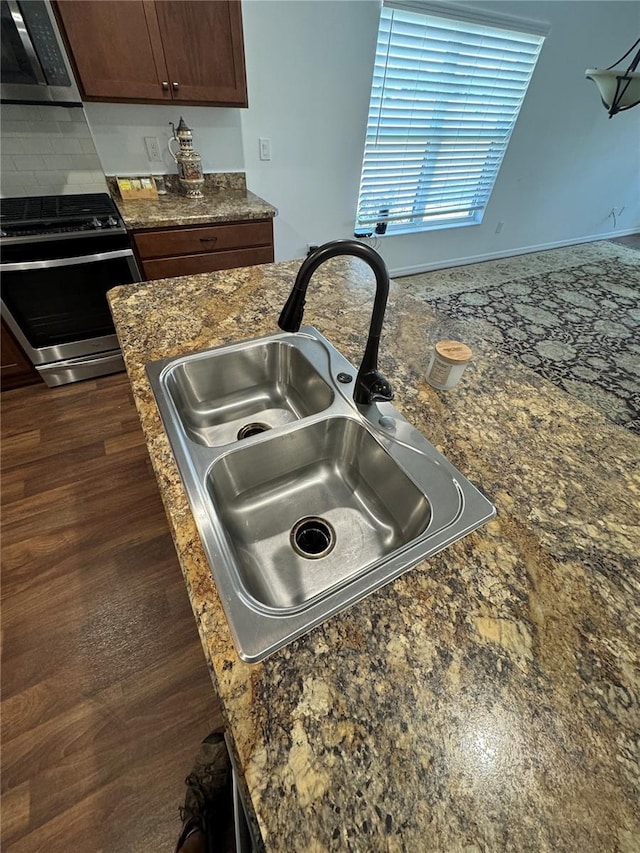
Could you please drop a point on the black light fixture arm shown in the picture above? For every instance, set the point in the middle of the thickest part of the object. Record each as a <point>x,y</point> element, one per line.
<point>634,62</point>
<point>370,384</point>
<point>623,80</point>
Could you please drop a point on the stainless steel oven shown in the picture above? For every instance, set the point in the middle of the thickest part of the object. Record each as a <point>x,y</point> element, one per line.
<point>60,256</point>
<point>34,67</point>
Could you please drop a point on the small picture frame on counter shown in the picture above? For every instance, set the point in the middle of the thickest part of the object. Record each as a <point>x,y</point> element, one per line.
<point>137,188</point>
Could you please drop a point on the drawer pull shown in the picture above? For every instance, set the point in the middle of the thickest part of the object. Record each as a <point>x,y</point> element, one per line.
<point>208,239</point>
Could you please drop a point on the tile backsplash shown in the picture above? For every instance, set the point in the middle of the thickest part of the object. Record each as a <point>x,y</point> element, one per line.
<point>47,150</point>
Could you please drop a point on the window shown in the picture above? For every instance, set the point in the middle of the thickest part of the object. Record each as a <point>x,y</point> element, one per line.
<point>444,100</point>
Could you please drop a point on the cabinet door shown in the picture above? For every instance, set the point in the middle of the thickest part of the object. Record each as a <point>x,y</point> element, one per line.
<point>15,368</point>
<point>116,48</point>
<point>204,51</point>
<point>171,252</point>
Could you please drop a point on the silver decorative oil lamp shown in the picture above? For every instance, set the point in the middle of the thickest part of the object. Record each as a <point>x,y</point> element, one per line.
<point>188,161</point>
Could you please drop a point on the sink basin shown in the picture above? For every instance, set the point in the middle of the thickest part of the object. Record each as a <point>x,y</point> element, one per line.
<point>304,502</point>
<point>250,388</point>
<point>363,506</point>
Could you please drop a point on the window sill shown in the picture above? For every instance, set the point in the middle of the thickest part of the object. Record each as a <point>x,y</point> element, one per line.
<point>402,231</point>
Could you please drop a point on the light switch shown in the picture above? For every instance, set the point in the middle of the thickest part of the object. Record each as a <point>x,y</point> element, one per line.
<point>265,148</point>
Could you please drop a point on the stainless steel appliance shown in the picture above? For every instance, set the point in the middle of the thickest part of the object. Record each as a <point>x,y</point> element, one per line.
<point>244,833</point>
<point>34,66</point>
<point>60,256</point>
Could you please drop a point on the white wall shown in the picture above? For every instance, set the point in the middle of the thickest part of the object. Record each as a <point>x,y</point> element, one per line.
<point>309,72</point>
<point>119,131</point>
<point>309,65</point>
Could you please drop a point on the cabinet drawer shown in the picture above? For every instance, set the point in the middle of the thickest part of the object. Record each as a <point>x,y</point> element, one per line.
<point>210,262</point>
<point>209,238</point>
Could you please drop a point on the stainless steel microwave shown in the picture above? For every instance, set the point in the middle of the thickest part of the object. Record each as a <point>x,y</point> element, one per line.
<point>34,65</point>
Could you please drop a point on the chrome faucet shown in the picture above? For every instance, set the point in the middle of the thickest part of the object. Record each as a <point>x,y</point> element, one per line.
<point>370,383</point>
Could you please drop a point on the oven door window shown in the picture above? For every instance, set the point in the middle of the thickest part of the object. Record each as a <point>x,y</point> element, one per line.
<point>64,304</point>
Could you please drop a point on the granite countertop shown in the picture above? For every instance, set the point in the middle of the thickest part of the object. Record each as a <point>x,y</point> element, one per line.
<point>487,700</point>
<point>226,199</point>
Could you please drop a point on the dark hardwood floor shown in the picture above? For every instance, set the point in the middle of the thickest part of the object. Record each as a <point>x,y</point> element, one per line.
<point>630,240</point>
<point>105,691</point>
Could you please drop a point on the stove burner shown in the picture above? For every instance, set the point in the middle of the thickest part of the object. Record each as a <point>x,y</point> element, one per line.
<point>37,216</point>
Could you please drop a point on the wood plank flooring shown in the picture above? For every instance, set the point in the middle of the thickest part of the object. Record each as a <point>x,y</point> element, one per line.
<point>631,240</point>
<point>105,691</point>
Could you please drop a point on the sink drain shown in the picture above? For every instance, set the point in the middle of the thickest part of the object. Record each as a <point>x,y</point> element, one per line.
<point>312,537</point>
<point>252,429</point>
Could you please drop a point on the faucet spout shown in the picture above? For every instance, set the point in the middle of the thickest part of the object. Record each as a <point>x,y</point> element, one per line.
<point>370,383</point>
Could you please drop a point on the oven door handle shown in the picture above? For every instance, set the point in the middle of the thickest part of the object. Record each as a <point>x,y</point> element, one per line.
<point>66,262</point>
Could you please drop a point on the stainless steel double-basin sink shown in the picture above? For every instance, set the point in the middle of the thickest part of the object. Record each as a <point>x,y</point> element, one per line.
<point>304,501</point>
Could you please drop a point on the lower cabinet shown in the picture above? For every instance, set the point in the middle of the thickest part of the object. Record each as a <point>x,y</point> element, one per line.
<point>171,252</point>
<point>15,368</point>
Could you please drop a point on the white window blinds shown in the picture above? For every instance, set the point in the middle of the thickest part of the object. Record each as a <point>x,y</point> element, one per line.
<point>444,100</point>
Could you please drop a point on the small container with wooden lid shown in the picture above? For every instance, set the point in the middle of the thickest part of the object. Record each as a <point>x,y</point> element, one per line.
<point>447,364</point>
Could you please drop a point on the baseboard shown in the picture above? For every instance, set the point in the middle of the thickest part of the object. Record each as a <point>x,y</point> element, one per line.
<point>509,253</point>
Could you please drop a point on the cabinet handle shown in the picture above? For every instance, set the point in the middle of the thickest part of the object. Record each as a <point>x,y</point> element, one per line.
<point>175,87</point>
<point>165,86</point>
<point>208,239</point>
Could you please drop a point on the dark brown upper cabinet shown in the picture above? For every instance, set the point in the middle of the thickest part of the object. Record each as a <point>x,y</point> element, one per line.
<point>145,51</point>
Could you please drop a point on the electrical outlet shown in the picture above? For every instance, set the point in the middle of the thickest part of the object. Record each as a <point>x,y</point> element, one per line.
<point>265,148</point>
<point>153,147</point>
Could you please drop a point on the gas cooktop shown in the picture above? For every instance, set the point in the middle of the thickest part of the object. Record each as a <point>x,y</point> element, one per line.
<point>36,217</point>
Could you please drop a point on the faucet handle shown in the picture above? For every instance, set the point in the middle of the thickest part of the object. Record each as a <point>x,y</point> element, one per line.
<point>372,387</point>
